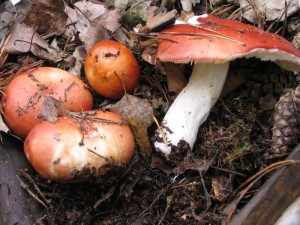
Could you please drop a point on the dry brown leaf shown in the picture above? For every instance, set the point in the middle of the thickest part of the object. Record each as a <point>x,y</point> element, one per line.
<point>160,163</point>
<point>95,33</point>
<point>191,162</point>
<point>140,134</point>
<point>270,10</point>
<point>21,39</point>
<point>24,39</point>
<point>102,28</point>
<point>110,20</point>
<point>71,22</point>
<point>222,187</point>
<point>79,55</point>
<point>149,55</point>
<point>138,114</point>
<point>87,11</point>
<point>156,19</point>
<point>48,17</point>
<point>7,17</point>
<point>48,54</point>
<point>133,9</point>
<point>131,106</point>
<point>50,109</point>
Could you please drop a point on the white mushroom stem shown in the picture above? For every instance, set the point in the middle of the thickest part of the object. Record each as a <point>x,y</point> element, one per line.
<point>187,5</point>
<point>191,107</point>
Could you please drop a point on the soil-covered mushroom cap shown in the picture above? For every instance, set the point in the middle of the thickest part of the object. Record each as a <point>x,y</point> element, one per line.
<point>76,148</point>
<point>24,96</point>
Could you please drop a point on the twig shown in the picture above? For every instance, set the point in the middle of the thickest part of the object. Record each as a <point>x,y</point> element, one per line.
<point>266,170</point>
<point>208,200</point>
<point>155,200</point>
<point>229,171</point>
<point>25,187</point>
<point>169,202</point>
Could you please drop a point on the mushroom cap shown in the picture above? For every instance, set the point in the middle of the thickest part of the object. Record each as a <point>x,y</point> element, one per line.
<point>104,62</point>
<point>79,148</point>
<point>24,96</point>
<point>214,40</point>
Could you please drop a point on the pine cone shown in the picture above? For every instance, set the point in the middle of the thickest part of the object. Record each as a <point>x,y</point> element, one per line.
<point>286,121</point>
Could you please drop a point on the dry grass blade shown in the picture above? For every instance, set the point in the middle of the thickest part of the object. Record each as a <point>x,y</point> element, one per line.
<point>227,9</point>
<point>3,54</point>
<point>7,75</point>
<point>268,169</point>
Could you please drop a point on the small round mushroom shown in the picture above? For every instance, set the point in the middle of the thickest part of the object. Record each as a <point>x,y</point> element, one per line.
<point>25,94</point>
<point>108,65</point>
<point>210,43</point>
<point>79,147</point>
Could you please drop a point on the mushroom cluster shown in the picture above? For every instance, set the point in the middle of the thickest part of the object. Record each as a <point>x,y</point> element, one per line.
<point>210,43</point>
<point>51,109</point>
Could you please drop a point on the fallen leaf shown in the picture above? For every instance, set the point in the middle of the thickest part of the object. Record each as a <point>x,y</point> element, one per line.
<point>132,106</point>
<point>21,39</point>
<point>160,163</point>
<point>48,17</point>
<point>222,187</point>
<point>24,39</point>
<point>140,134</point>
<point>79,55</point>
<point>138,114</point>
<point>7,17</point>
<point>191,162</point>
<point>102,28</point>
<point>86,12</point>
<point>133,10</point>
<point>110,20</point>
<point>120,36</point>
<point>71,22</point>
<point>50,109</point>
<point>158,19</point>
<point>149,55</point>
<point>95,33</point>
<point>270,10</point>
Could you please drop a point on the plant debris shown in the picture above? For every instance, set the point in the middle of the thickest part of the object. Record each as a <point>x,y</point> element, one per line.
<point>50,109</point>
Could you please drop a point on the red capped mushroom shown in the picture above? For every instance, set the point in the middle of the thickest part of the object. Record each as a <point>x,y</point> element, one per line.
<point>79,147</point>
<point>210,43</point>
<point>25,94</point>
<point>107,63</point>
